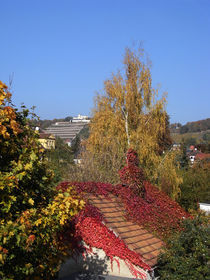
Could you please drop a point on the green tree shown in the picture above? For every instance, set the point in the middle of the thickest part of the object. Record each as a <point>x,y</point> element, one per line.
<point>183,158</point>
<point>60,159</point>
<point>188,141</point>
<point>187,253</point>
<point>196,186</point>
<point>129,114</point>
<point>206,136</point>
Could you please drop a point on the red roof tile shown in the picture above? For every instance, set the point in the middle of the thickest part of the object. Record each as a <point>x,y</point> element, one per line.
<point>202,156</point>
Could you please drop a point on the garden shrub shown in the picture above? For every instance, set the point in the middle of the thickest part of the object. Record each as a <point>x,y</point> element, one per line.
<point>196,186</point>
<point>187,253</point>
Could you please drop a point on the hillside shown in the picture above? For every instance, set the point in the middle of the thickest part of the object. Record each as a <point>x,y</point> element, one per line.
<point>43,124</point>
<point>192,132</point>
<point>189,127</point>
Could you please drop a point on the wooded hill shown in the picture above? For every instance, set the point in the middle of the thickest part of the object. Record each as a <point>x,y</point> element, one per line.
<point>192,133</point>
<point>189,127</point>
<point>43,124</point>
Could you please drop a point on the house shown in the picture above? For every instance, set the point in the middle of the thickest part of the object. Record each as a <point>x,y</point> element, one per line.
<point>47,140</point>
<point>195,155</point>
<point>119,232</point>
<point>176,147</point>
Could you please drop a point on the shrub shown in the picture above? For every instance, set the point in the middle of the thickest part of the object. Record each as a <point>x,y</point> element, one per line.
<point>187,253</point>
<point>196,186</point>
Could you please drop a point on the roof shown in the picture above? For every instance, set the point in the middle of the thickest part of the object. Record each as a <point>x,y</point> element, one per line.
<point>46,136</point>
<point>192,147</point>
<point>65,130</point>
<point>202,156</point>
<point>136,237</point>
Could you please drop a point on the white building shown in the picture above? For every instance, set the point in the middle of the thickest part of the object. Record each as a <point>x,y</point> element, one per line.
<point>81,118</point>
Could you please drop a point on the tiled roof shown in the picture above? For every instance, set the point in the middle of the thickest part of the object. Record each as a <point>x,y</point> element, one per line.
<point>136,237</point>
<point>46,136</point>
<point>202,156</point>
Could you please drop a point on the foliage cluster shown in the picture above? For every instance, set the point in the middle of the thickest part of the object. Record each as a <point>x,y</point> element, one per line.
<point>32,212</point>
<point>31,245</point>
<point>78,140</point>
<point>196,140</point>
<point>150,209</point>
<point>196,186</point>
<point>206,136</point>
<point>187,138</point>
<point>187,253</point>
<point>204,147</point>
<point>60,159</point>
<point>129,114</point>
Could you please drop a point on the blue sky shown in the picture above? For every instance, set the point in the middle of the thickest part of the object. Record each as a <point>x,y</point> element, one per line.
<point>59,52</point>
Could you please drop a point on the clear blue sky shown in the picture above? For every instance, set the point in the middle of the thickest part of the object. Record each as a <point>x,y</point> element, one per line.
<point>61,51</point>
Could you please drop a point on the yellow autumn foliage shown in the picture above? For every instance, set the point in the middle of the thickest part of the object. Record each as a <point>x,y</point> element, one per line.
<point>7,114</point>
<point>32,212</point>
<point>130,114</point>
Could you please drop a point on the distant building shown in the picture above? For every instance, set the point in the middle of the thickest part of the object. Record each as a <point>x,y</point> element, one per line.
<point>192,158</point>
<point>81,118</point>
<point>47,140</point>
<point>176,147</point>
<point>205,207</point>
<point>202,156</point>
<point>68,130</point>
<point>78,161</point>
<point>195,155</point>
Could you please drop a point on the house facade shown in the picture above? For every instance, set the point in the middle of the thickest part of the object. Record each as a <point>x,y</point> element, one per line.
<point>47,141</point>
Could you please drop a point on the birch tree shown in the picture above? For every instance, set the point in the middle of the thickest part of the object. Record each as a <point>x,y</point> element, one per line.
<point>129,114</point>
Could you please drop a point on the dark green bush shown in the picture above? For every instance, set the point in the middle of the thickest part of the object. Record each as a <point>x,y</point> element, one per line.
<point>186,256</point>
<point>196,186</point>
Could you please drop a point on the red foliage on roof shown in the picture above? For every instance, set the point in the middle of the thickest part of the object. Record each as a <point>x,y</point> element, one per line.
<point>156,211</point>
<point>90,227</point>
<point>43,135</point>
<point>153,210</point>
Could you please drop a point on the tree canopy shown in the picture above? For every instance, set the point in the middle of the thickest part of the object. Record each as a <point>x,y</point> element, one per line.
<point>129,114</point>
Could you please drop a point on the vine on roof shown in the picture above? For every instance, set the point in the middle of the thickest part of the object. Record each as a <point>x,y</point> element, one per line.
<point>154,210</point>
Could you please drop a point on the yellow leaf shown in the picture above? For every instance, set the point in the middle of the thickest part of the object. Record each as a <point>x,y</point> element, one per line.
<point>31,201</point>
<point>38,222</point>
